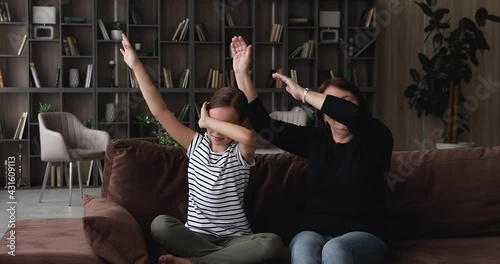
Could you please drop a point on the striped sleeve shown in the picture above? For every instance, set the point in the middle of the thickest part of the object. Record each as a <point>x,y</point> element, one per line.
<point>237,153</point>
<point>194,144</point>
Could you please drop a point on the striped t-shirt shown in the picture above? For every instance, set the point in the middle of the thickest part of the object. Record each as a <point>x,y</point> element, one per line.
<point>217,183</point>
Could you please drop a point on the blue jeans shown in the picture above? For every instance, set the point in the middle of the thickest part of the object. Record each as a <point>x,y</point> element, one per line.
<point>309,247</point>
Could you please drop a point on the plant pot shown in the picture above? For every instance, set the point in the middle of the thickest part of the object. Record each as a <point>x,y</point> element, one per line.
<point>452,146</point>
<point>116,34</point>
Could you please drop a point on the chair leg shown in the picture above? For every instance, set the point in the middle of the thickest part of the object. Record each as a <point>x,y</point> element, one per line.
<point>90,172</point>
<point>70,184</point>
<point>47,170</point>
<point>99,166</point>
<point>79,178</point>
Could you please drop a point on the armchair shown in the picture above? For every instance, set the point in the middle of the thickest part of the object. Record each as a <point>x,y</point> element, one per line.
<point>63,138</point>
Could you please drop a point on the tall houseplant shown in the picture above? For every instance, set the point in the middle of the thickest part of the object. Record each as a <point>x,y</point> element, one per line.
<point>438,90</point>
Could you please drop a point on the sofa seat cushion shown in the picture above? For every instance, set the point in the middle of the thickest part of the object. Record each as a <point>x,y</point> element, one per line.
<point>55,240</point>
<point>482,250</point>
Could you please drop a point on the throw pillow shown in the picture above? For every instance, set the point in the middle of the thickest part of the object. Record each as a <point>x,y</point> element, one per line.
<point>112,232</point>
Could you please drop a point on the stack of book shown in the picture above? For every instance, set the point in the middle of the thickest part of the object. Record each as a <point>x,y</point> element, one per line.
<point>88,78</point>
<point>201,32</point>
<point>230,78</point>
<point>104,31</point>
<point>368,18</point>
<point>167,77</point>
<point>184,80</point>
<point>35,146</point>
<point>293,75</point>
<point>5,12</point>
<point>34,75</point>
<point>276,33</point>
<point>306,50</point>
<point>70,46</point>
<point>181,31</point>
<point>183,113</point>
<point>214,78</point>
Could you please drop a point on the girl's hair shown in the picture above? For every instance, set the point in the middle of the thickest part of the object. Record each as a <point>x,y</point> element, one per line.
<point>232,97</point>
<point>347,86</point>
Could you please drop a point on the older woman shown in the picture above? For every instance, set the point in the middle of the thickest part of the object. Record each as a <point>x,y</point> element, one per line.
<point>348,156</point>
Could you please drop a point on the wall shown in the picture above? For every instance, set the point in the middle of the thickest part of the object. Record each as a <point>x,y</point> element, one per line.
<point>401,38</point>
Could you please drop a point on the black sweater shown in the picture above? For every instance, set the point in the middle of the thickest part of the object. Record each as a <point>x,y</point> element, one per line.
<point>345,183</point>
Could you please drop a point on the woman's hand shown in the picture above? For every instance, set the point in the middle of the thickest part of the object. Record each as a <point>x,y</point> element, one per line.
<point>292,87</point>
<point>129,55</point>
<point>203,116</point>
<point>242,55</point>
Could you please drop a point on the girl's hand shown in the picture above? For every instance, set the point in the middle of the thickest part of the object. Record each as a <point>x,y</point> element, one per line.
<point>292,87</point>
<point>242,55</point>
<point>203,116</point>
<point>129,55</point>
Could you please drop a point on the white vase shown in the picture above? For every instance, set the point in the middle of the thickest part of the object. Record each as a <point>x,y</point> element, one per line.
<point>116,34</point>
<point>110,112</point>
<point>74,78</point>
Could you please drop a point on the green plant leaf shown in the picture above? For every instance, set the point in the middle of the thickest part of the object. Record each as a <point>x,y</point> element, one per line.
<point>455,35</point>
<point>429,28</point>
<point>431,3</point>
<point>493,18</point>
<point>412,101</point>
<point>410,91</point>
<point>473,56</point>
<point>482,44</point>
<point>426,9</point>
<point>437,41</point>
<point>467,73</point>
<point>468,24</point>
<point>426,63</point>
<point>481,15</point>
<point>415,76</point>
<point>444,25</point>
<point>442,11</point>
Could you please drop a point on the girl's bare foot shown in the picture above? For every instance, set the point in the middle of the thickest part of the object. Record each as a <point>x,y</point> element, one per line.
<point>171,259</point>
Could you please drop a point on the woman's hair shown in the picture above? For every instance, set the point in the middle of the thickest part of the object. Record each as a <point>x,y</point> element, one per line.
<point>232,97</point>
<point>347,86</point>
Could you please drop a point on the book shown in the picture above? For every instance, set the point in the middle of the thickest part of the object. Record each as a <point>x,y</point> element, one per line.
<point>1,78</point>
<point>209,78</point>
<point>58,77</point>
<point>296,51</point>
<point>73,46</point>
<point>23,43</point>
<point>34,75</point>
<point>88,78</point>
<point>229,19</point>
<point>104,31</point>
<point>179,27</point>
<point>136,19</point>
<point>20,126</point>
<point>2,129</point>
<point>9,18</point>
<point>52,176</point>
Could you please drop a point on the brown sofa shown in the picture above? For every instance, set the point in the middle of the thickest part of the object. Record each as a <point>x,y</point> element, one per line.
<point>443,205</point>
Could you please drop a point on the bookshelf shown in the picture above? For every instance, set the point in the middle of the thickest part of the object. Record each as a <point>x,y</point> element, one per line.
<point>153,24</point>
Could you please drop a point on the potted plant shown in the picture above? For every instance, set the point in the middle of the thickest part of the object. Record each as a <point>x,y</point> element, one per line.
<point>116,30</point>
<point>45,107</point>
<point>437,91</point>
<point>164,138</point>
<point>144,121</point>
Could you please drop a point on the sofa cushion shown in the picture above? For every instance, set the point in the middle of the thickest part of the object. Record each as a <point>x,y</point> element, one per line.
<point>482,250</point>
<point>275,194</point>
<point>445,193</point>
<point>55,240</point>
<point>112,232</point>
<point>147,179</point>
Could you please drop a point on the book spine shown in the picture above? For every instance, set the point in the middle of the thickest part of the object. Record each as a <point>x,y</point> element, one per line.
<point>23,43</point>
<point>58,77</point>
<point>1,78</point>
<point>35,75</point>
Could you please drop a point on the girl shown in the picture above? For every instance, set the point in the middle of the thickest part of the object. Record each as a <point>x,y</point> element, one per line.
<point>217,230</point>
<point>348,156</point>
